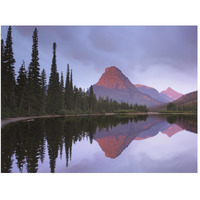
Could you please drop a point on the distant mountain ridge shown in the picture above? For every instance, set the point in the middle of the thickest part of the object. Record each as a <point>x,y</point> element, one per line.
<point>187,98</point>
<point>172,94</point>
<point>190,98</point>
<point>115,85</point>
<point>153,93</point>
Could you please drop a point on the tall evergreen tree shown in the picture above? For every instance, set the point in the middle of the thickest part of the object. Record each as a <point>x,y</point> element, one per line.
<point>71,81</point>
<point>34,79</point>
<point>8,72</point>
<point>67,90</point>
<point>2,50</point>
<point>71,92</point>
<point>76,98</point>
<point>30,91</point>
<point>53,95</point>
<point>92,99</point>
<point>21,89</point>
<point>43,86</point>
<point>3,75</point>
<point>62,90</point>
<point>3,69</point>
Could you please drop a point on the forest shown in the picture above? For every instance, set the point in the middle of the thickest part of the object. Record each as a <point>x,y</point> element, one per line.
<point>29,94</point>
<point>190,107</point>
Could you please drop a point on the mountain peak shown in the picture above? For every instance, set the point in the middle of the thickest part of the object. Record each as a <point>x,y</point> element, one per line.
<point>114,78</point>
<point>169,88</point>
<point>112,68</point>
<point>172,94</point>
<point>116,86</point>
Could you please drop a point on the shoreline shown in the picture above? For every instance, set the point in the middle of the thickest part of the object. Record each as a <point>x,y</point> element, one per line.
<point>7,121</point>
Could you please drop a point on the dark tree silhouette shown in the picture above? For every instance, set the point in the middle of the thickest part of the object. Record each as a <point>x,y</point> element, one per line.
<point>67,90</point>
<point>21,89</point>
<point>62,91</point>
<point>8,72</point>
<point>171,106</point>
<point>43,85</point>
<point>34,79</point>
<point>92,99</point>
<point>53,94</point>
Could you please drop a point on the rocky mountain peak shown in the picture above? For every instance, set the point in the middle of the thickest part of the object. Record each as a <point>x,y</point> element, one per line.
<point>172,94</point>
<point>112,68</point>
<point>114,78</point>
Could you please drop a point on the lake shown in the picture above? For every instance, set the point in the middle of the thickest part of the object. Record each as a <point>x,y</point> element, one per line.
<point>154,143</point>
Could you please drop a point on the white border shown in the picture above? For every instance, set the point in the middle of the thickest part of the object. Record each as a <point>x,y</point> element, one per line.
<point>99,186</point>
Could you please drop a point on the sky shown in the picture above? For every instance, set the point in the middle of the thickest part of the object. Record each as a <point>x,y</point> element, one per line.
<point>156,56</point>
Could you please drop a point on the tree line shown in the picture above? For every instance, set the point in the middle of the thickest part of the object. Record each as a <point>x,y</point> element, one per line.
<point>187,107</point>
<point>29,94</point>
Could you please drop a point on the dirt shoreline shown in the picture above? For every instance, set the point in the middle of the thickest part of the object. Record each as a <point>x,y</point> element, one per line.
<point>7,121</point>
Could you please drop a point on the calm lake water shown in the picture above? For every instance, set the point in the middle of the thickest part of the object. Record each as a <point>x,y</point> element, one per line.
<point>101,144</point>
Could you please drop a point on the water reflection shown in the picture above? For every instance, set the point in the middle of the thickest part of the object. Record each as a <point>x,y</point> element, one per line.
<point>26,144</point>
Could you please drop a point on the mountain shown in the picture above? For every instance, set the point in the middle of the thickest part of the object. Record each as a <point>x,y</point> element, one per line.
<point>114,78</point>
<point>114,140</point>
<point>115,85</point>
<point>172,130</point>
<point>189,99</point>
<point>153,93</point>
<point>172,94</point>
<point>118,138</point>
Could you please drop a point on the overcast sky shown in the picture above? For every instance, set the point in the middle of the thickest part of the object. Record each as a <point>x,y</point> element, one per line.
<point>156,56</point>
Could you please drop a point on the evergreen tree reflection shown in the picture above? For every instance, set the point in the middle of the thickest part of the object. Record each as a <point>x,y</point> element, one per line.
<point>32,145</point>
<point>54,134</point>
<point>8,145</point>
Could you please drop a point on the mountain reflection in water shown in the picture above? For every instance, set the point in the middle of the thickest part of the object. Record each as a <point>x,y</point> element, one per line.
<point>25,145</point>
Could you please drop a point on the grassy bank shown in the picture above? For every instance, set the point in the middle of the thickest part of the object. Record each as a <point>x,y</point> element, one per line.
<point>177,112</point>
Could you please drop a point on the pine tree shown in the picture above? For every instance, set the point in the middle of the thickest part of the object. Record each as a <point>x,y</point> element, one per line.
<point>71,92</point>
<point>21,88</point>
<point>62,91</point>
<point>92,99</point>
<point>43,86</point>
<point>171,106</point>
<point>34,79</point>
<point>53,102</point>
<point>71,81</point>
<point>2,51</point>
<point>8,72</point>
<point>136,107</point>
<point>3,76</point>
<point>76,98</point>
<point>67,90</point>
<point>83,101</point>
<point>30,91</point>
